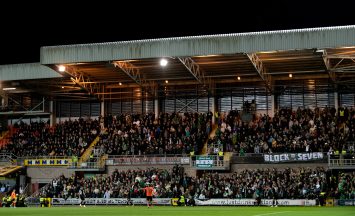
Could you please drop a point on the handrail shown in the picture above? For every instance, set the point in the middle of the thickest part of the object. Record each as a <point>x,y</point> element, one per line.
<point>41,190</point>
<point>86,155</point>
<point>341,163</point>
<point>26,190</point>
<point>87,165</point>
<point>145,156</point>
<point>144,159</point>
<point>8,157</point>
<point>43,157</point>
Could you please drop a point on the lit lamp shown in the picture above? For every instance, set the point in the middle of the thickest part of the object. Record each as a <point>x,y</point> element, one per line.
<point>163,62</point>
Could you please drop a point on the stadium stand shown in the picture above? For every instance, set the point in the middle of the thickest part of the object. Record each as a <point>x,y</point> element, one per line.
<point>226,124</point>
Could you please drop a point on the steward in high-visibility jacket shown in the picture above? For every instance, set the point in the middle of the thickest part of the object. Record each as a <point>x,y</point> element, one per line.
<point>42,202</point>
<point>4,201</point>
<point>9,201</point>
<point>220,155</point>
<point>181,201</point>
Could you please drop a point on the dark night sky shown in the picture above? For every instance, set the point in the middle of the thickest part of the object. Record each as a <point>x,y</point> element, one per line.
<point>20,40</point>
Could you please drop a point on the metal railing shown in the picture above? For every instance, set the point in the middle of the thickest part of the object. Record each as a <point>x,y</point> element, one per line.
<point>41,190</point>
<point>85,165</point>
<point>147,159</point>
<point>341,163</point>
<point>8,157</point>
<point>26,191</point>
<point>97,163</point>
<point>43,157</point>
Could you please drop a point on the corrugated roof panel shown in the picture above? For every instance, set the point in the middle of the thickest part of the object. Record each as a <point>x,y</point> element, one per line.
<point>328,37</point>
<point>26,71</point>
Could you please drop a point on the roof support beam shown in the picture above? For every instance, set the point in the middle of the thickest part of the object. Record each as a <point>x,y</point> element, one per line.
<point>260,68</point>
<point>341,56</point>
<point>4,99</point>
<point>194,69</point>
<point>85,82</point>
<point>328,67</point>
<point>134,73</point>
<point>186,104</point>
<point>197,72</point>
<point>338,67</point>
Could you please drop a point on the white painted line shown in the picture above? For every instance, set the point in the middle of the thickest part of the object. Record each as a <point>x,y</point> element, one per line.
<point>272,213</point>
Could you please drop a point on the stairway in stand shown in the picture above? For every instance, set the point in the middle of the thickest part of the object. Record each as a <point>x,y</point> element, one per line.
<point>227,155</point>
<point>211,135</point>
<point>86,155</point>
<point>6,136</point>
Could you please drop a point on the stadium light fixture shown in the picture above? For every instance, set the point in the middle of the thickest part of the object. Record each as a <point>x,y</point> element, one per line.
<point>8,89</point>
<point>61,68</point>
<point>163,62</point>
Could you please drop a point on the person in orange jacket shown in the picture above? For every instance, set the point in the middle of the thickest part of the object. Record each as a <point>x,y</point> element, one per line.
<point>13,198</point>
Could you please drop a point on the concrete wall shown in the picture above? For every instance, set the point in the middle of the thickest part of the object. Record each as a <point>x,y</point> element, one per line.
<point>188,170</point>
<point>46,174</point>
<point>238,167</point>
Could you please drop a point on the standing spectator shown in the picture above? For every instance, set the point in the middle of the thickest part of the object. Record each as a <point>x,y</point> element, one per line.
<point>21,190</point>
<point>82,197</point>
<point>274,196</point>
<point>107,194</point>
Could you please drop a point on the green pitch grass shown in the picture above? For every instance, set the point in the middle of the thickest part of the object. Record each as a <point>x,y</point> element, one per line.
<point>179,211</point>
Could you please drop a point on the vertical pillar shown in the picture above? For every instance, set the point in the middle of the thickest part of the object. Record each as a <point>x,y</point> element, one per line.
<point>52,115</point>
<point>272,111</point>
<point>102,108</point>
<point>156,108</point>
<point>4,100</point>
<point>213,108</point>
<point>336,100</point>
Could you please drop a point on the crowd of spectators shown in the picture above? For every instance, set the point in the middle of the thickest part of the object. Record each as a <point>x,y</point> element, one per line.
<point>176,133</point>
<point>5,186</point>
<point>346,186</point>
<point>300,183</point>
<point>65,139</point>
<point>301,130</point>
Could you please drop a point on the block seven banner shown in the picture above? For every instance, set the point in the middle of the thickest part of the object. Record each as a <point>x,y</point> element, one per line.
<point>292,157</point>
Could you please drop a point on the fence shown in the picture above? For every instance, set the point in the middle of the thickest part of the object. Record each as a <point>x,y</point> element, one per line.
<point>154,159</point>
<point>341,163</point>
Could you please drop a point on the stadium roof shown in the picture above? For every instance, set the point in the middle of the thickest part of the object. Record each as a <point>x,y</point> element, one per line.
<point>324,57</point>
<point>222,44</point>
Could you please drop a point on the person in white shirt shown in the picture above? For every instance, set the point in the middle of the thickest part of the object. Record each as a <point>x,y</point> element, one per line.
<point>107,194</point>
<point>202,196</point>
<point>21,189</point>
